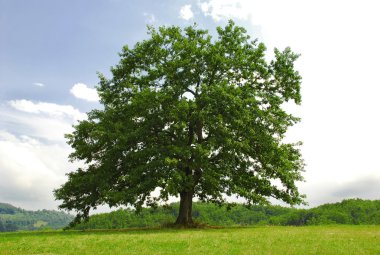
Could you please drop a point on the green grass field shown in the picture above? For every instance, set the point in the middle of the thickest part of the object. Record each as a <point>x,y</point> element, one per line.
<point>253,240</point>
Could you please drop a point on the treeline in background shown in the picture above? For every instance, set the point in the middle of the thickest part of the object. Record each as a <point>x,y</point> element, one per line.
<point>350,211</point>
<point>15,219</point>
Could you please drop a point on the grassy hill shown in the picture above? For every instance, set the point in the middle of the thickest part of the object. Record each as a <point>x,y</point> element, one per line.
<point>13,219</point>
<point>252,240</point>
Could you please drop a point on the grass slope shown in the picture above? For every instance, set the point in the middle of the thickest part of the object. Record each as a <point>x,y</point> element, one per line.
<point>254,240</point>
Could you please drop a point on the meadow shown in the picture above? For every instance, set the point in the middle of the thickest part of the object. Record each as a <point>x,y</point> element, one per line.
<point>341,239</point>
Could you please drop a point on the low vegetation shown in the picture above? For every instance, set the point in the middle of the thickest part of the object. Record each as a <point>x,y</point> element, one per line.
<point>362,236</point>
<point>253,240</point>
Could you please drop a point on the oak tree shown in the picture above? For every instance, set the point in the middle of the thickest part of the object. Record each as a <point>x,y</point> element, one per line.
<point>188,115</point>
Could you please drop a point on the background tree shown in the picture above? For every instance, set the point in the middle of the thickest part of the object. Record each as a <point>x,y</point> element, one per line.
<point>190,116</point>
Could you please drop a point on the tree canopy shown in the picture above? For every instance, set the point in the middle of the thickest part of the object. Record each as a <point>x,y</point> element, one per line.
<point>188,115</point>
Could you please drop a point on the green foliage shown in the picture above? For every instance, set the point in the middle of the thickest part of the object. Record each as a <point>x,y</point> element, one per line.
<point>352,211</point>
<point>13,219</point>
<point>349,211</point>
<point>185,113</point>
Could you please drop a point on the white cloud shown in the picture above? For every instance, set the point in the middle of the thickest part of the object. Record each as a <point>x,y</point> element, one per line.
<point>82,91</point>
<point>33,151</point>
<point>39,84</point>
<point>30,170</point>
<point>333,190</point>
<point>185,12</point>
<point>219,9</point>
<point>47,108</point>
<point>45,127</point>
<point>46,121</point>
<point>149,18</point>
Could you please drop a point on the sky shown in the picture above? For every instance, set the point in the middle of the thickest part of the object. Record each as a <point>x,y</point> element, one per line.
<point>51,51</point>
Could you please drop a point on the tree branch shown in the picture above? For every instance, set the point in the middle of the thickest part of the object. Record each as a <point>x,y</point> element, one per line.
<point>192,92</point>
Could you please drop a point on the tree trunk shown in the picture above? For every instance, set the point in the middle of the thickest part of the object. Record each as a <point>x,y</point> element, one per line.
<point>185,208</point>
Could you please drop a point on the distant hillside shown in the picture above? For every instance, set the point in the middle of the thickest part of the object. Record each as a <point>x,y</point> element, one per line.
<point>350,211</point>
<point>13,219</point>
<point>8,209</point>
